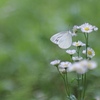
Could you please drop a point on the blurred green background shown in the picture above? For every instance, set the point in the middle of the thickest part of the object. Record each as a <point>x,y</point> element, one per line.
<point>26,50</point>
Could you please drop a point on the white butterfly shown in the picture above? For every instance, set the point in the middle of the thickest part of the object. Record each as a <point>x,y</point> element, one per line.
<point>62,39</point>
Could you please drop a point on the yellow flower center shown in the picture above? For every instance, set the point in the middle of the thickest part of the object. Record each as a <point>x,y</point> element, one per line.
<point>89,52</point>
<point>65,65</point>
<point>77,44</point>
<point>89,65</point>
<point>86,28</point>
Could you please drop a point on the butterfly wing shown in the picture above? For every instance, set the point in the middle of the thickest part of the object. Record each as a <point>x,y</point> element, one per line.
<point>65,41</point>
<point>55,38</point>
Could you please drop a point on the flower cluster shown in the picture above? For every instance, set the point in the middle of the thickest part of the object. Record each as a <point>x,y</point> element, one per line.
<point>81,57</point>
<point>85,28</point>
<point>80,67</point>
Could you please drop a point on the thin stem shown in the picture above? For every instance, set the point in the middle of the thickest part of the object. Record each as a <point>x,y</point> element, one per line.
<point>86,38</point>
<point>82,76</point>
<point>78,77</point>
<point>78,82</point>
<point>78,51</point>
<point>60,73</point>
<point>84,86</point>
<point>71,57</point>
<point>64,81</point>
<point>66,86</point>
<point>84,80</point>
<point>67,83</point>
<point>86,45</point>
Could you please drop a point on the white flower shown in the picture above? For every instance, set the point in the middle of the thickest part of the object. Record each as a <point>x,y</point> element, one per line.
<point>78,68</point>
<point>95,28</point>
<point>72,33</point>
<point>88,64</point>
<point>62,70</point>
<point>70,69</point>
<point>79,43</point>
<point>55,62</point>
<point>71,52</point>
<point>64,65</point>
<point>82,67</point>
<point>90,52</point>
<point>75,28</point>
<point>87,28</point>
<point>77,58</point>
<point>91,65</point>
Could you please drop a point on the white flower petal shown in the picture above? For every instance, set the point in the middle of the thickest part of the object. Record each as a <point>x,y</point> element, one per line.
<point>87,28</point>
<point>55,62</point>
<point>78,68</point>
<point>71,52</point>
<point>90,52</point>
<point>64,64</point>
<point>92,65</point>
<point>62,70</point>
<point>79,43</point>
<point>77,58</point>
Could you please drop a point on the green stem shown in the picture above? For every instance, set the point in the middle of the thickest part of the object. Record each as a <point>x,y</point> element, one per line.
<point>84,80</point>
<point>66,88</point>
<point>78,77</point>
<point>78,51</point>
<point>71,57</point>
<point>66,77</point>
<point>86,38</point>
<point>84,86</point>
<point>78,82</point>
<point>86,45</point>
